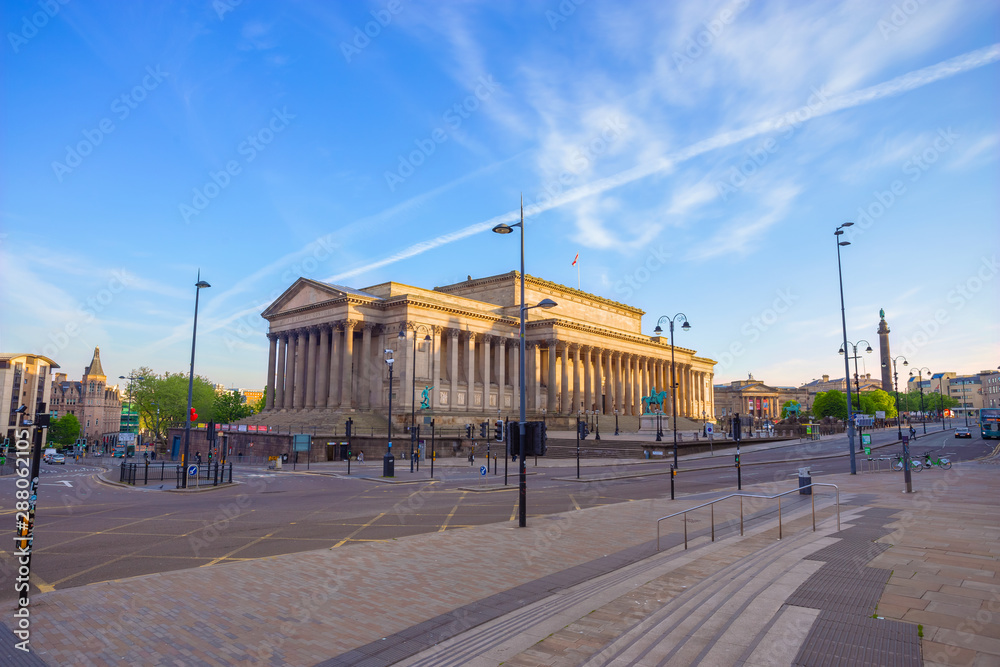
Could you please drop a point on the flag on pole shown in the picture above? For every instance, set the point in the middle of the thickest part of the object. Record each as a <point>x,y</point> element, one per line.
<point>575,259</point>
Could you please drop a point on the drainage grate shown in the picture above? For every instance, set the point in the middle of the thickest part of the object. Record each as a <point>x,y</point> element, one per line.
<point>837,638</point>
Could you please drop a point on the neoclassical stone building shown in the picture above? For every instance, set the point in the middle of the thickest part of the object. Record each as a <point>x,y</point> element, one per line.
<point>328,345</point>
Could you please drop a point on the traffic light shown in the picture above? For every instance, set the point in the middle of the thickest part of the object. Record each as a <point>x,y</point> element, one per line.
<point>210,433</point>
<point>673,471</point>
<point>515,439</point>
<point>737,459</point>
<point>194,416</point>
<point>482,429</point>
<point>468,431</point>
<point>581,426</point>
<point>736,428</point>
<point>498,431</point>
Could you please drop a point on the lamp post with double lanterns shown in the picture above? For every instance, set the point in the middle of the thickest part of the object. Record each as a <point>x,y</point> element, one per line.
<point>895,385</point>
<point>200,285</point>
<point>920,384</point>
<point>413,386</point>
<point>673,376</point>
<point>503,228</point>
<point>857,380</point>
<point>847,369</point>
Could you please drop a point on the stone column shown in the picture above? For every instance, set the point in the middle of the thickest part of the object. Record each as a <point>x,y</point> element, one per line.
<point>574,406</point>
<point>402,373</point>
<point>378,388</point>
<point>588,378</point>
<point>309,365</point>
<point>301,352</point>
<point>453,368</point>
<point>600,373</point>
<point>365,371</point>
<point>552,406</point>
<point>501,370</point>
<point>470,372</point>
<point>435,366</point>
<point>279,381</point>
<point>564,395</point>
<point>323,370</point>
<point>515,381</point>
<point>485,349</point>
<point>293,350</point>
<point>336,346</point>
<point>347,366</point>
<point>272,351</point>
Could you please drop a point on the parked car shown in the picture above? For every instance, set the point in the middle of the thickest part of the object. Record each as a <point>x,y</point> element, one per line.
<point>962,433</point>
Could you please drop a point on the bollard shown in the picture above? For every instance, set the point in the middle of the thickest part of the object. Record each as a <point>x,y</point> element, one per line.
<point>145,479</point>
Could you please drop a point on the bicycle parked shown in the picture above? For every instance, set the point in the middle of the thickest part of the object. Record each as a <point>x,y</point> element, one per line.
<point>941,462</point>
<point>915,464</point>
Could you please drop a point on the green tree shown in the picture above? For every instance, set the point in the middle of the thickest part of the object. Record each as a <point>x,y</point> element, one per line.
<point>231,406</point>
<point>64,430</point>
<point>831,403</point>
<point>162,400</point>
<point>877,399</point>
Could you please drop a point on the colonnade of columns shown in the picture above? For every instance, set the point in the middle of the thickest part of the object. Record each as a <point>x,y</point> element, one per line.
<point>339,366</point>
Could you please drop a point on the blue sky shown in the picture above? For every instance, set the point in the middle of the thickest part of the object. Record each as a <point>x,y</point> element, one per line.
<point>698,156</point>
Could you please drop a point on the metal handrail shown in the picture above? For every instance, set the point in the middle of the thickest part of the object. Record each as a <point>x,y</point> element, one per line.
<point>741,496</point>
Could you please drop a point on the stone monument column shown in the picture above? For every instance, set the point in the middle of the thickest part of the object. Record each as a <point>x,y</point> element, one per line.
<point>883,348</point>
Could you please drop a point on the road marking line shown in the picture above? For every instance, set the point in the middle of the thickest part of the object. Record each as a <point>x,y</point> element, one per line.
<point>451,513</point>
<point>575,504</point>
<point>346,539</point>
<point>248,544</point>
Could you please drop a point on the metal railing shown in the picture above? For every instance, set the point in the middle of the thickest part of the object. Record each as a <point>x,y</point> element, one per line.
<point>741,496</point>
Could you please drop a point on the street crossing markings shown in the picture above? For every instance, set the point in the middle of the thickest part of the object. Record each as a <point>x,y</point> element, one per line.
<point>452,512</point>
<point>238,549</point>
<point>348,538</point>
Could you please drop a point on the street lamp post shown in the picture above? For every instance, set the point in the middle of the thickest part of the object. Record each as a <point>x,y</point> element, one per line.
<point>847,369</point>
<point>895,385</point>
<point>857,382</point>
<point>673,377</point>
<point>521,422</point>
<point>920,383</point>
<point>187,421</point>
<point>388,462</point>
<point>413,387</point>
<point>907,479</point>
<point>616,421</point>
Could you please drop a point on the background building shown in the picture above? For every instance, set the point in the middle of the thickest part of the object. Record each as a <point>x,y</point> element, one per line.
<point>96,405</point>
<point>967,390</point>
<point>25,379</point>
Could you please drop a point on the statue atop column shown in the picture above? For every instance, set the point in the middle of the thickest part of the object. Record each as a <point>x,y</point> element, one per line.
<point>883,344</point>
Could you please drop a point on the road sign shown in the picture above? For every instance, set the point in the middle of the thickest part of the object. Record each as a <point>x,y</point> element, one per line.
<point>866,438</point>
<point>482,470</point>
<point>192,470</point>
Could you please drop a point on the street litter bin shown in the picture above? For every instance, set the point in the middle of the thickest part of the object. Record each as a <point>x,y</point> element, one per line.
<point>388,465</point>
<point>804,481</point>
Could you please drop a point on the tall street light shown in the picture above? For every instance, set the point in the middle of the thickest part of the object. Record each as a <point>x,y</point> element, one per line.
<point>895,385</point>
<point>857,382</point>
<point>920,383</point>
<point>388,461</point>
<point>673,376</point>
<point>201,284</point>
<point>413,386</point>
<point>521,423</point>
<point>847,369</point>
<point>131,406</point>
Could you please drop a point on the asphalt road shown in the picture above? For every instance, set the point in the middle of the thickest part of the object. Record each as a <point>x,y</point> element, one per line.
<point>87,531</point>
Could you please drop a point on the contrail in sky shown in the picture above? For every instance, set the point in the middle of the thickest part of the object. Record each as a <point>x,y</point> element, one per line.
<point>893,87</point>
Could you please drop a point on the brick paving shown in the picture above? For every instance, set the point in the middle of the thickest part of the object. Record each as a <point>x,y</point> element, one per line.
<point>584,587</point>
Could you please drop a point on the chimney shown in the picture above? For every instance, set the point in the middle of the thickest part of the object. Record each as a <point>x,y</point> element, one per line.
<point>826,378</point>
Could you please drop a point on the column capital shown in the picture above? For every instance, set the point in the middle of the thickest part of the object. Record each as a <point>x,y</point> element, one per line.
<point>313,329</point>
<point>500,340</point>
<point>272,337</point>
<point>473,336</point>
<point>350,325</point>
<point>370,326</point>
<point>573,347</point>
<point>454,333</point>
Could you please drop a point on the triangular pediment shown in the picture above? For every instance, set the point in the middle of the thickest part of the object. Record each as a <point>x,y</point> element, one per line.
<point>758,388</point>
<point>305,292</point>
